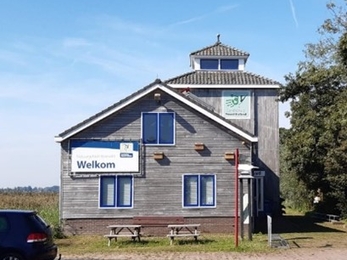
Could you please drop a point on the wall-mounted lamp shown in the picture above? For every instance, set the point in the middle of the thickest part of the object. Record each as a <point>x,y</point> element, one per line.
<point>157,97</point>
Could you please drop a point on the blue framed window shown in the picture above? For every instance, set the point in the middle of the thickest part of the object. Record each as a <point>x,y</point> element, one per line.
<point>209,64</point>
<point>116,191</point>
<point>158,128</point>
<point>229,64</point>
<point>216,64</point>
<point>199,191</point>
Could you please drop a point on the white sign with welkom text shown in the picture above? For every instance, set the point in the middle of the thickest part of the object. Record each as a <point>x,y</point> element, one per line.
<point>104,156</point>
<point>236,104</point>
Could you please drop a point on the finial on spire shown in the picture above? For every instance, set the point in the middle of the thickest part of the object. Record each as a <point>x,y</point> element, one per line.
<point>218,38</point>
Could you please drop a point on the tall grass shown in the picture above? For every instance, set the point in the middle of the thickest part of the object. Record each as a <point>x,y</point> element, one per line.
<point>46,204</point>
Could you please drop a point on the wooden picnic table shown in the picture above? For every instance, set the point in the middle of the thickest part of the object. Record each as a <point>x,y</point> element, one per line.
<point>183,230</point>
<point>133,231</point>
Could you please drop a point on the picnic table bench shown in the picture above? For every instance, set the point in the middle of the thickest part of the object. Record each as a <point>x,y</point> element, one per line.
<point>132,231</point>
<point>183,230</point>
<point>327,217</point>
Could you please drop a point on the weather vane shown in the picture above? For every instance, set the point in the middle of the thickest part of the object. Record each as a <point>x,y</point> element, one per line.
<point>218,38</point>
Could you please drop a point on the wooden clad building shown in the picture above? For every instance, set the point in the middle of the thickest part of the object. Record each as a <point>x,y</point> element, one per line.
<point>168,149</point>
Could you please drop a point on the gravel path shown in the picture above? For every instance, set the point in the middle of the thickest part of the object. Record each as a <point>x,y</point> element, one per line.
<point>281,254</point>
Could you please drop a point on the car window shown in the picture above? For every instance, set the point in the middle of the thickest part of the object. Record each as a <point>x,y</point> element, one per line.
<point>38,220</point>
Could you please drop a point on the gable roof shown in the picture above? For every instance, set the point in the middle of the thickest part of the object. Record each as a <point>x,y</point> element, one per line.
<point>219,49</point>
<point>157,84</point>
<point>199,78</point>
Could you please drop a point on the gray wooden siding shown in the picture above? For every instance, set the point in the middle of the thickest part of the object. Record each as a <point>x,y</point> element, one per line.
<point>159,191</point>
<point>264,123</point>
<point>213,97</point>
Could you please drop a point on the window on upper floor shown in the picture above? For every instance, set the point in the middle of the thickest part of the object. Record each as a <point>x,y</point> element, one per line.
<point>199,191</point>
<point>158,128</point>
<point>209,64</point>
<point>116,191</point>
<point>219,64</point>
<point>231,64</point>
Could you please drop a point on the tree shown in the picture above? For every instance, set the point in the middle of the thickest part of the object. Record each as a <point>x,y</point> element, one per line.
<point>335,141</point>
<point>316,143</point>
<point>293,190</point>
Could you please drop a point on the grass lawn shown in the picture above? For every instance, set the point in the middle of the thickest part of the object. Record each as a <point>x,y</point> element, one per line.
<point>298,230</point>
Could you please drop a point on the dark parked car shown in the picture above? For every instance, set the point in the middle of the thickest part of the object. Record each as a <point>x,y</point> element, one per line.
<point>24,235</point>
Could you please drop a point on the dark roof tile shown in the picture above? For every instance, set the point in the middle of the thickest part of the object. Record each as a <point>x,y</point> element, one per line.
<point>204,77</point>
<point>219,49</point>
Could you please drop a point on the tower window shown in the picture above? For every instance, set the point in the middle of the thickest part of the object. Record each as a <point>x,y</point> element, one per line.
<point>219,64</point>
<point>229,64</point>
<point>209,64</point>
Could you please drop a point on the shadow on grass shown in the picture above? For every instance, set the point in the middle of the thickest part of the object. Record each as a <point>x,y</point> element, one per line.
<point>161,242</point>
<point>297,224</point>
<point>203,241</point>
<point>142,242</point>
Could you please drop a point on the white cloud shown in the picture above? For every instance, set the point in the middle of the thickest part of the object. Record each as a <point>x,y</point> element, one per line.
<point>221,9</point>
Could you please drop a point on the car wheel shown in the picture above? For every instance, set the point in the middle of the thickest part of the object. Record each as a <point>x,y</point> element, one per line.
<point>11,256</point>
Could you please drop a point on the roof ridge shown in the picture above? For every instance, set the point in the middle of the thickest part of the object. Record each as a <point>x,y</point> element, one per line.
<point>207,47</point>
<point>234,48</point>
<point>110,107</point>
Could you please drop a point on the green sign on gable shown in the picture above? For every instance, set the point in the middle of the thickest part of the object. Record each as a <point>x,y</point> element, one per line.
<point>236,104</point>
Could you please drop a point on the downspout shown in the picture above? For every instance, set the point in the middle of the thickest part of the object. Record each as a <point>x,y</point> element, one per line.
<point>236,198</point>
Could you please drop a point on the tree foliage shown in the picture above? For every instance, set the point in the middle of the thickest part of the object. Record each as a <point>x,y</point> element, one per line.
<point>292,189</point>
<point>316,144</point>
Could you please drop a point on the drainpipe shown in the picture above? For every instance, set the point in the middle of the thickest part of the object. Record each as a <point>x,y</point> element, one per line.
<point>236,198</point>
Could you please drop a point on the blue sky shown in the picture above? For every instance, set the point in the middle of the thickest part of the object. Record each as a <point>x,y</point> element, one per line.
<point>63,61</point>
